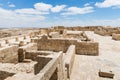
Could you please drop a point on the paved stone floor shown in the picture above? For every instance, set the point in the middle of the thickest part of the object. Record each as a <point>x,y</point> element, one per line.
<point>87,67</point>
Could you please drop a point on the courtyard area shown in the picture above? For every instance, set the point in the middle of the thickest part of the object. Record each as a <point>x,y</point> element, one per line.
<point>87,67</point>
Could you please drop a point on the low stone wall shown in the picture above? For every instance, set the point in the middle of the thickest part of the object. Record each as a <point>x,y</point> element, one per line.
<point>33,54</point>
<point>8,54</point>
<point>86,48</point>
<point>72,34</point>
<point>102,32</point>
<point>53,70</point>
<point>54,44</point>
<point>99,32</point>
<point>54,34</point>
<point>23,49</point>
<point>69,59</point>
<point>116,36</point>
<point>41,62</point>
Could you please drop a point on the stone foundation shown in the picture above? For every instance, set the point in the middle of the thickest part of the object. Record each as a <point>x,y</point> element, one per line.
<point>8,54</point>
<point>86,48</point>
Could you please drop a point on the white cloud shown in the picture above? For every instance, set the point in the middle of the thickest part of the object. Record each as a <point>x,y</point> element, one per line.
<point>77,10</point>
<point>30,11</point>
<point>87,4</point>
<point>11,5</point>
<point>31,17</point>
<point>108,3</point>
<point>58,8</point>
<point>10,18</point>
<point>43,6</point>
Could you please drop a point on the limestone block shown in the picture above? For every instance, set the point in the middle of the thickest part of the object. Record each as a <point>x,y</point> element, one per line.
<point>8,54</point>
<point>116,36</point>
<point>16,39</point>
<point>21,55</point>
<point>105,73</point>
<point>23,49</point>
<point>21,43</point>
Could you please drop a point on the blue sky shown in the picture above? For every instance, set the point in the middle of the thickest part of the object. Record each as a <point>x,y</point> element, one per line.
<point>47,13</point>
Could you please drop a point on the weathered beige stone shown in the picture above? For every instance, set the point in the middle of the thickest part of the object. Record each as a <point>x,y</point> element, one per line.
<point>107,74</point>
<point>69,59</point>
<point>24,37</point>
<point>23,49</point>
<point>116,36</point>
<point>51,71</point>
<point>86,48</point>
<point>21,43</point>
<point>8,54</point>
<point>16,39</point>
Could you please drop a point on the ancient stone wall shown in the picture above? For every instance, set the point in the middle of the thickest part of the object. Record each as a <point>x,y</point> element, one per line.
<point>53,70</point>
<point>23,49</point>
<point>116,36</point>
<point>72,34</point>
<point>69,59</point>
<point>8,54</point>
<point>41,63</point>
<point>33,54</point>
<point>87,48</point>
<point>106,31</point>
<point>103,32</point>
<point>54,35</point>
<point>54,44</point>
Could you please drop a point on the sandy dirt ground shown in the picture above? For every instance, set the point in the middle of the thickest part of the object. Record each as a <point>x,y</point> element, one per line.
<point>87,67</point>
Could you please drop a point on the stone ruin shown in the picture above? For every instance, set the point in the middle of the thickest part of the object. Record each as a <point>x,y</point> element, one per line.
<point>47,54</point>
<point>107,31</point>
<point>116,36</point>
